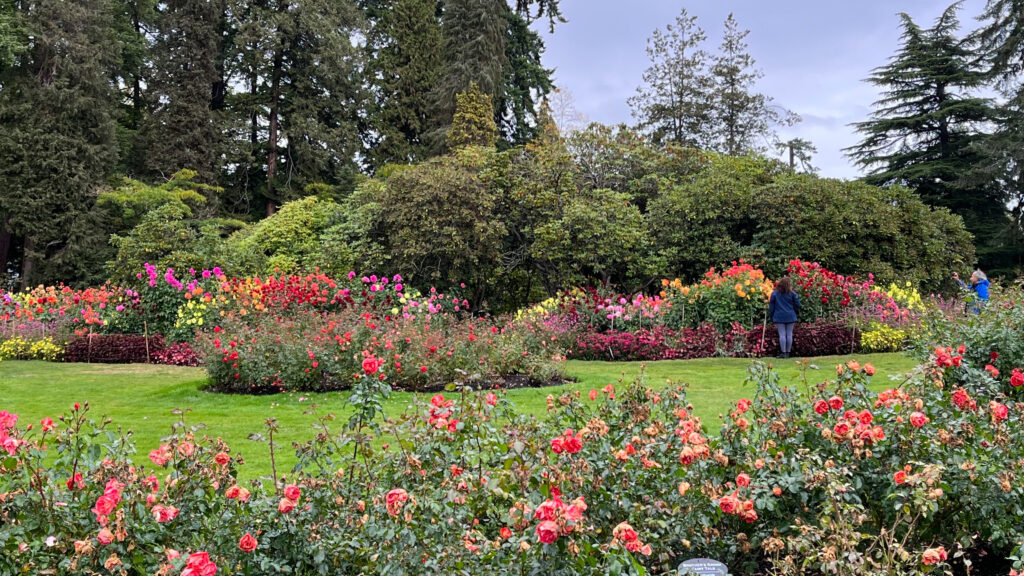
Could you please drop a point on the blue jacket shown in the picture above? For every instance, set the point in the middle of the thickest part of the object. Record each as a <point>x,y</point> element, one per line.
<point>782,307</point>
<point>981,288</point>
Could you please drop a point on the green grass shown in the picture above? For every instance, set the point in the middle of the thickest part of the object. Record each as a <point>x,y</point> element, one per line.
<point>141,398</point>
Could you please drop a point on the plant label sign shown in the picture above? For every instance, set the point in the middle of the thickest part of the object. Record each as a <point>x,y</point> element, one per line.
<point>703,567</point>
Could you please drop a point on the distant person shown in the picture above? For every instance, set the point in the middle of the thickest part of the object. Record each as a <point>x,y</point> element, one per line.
<point>978,288</point>
<point>782,307</point>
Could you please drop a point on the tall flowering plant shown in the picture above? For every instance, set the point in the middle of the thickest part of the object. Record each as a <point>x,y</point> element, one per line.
<point>736,295</point>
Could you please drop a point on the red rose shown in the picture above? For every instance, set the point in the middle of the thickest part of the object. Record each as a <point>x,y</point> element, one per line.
<point>899,477</point>
<point>105,537</point>
<point>999,411</point>
<point>558,445</point>
<point>743,480</point>
<point>505,533</point>
<point>841,429</point>
<point>370,365</point>
<point>104,505</point>
<point>248,543</point>
<point>292,492</point>
<point>1017,380</point>
<point>199,564</point>
<point>222,458</point>
<point>573,444</point>
<point>547,532</point>
<point>865,417</point>
<point>821,407</point>
<point>835,403</point>
<point>729,504</point>
<point>285,506</point>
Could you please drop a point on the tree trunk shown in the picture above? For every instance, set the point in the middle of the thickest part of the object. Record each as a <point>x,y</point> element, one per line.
<point>26,264</point>
<point>275,100</point>
<point>5,244</point>
<point>274,120</point>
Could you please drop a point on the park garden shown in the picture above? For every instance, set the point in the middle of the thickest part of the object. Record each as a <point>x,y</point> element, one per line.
<point>318,287</point>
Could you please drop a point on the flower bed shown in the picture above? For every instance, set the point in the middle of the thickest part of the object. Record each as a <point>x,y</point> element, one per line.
<point>621,480</point>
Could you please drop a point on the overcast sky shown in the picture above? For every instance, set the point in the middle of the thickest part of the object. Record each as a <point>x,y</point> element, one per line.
<point>815,55</point>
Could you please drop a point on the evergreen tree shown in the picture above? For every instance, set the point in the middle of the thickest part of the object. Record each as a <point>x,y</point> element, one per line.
<point>12,41</point>
<point>672,105</point>
<point>57,145</point>
<point>474,52</point>
<point>404,64</point>
<point>185,129</point>
<point>1001,39</point>
<point>798,153</point>
<point>743,120</point>
<point>133,22</point>
<point>526,82</point>
<point>473,123</point>
<point>925,129</point>
<point>304,82</point>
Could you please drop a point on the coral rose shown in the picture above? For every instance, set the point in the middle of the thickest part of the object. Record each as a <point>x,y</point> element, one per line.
<point>547,532</point>
<point>248,543</point>
<point>285,506</point>
<point>395,499</point>
<point>933,556</point>
<point>918,419</point>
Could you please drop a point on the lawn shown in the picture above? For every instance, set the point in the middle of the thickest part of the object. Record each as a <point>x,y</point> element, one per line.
<point>141,398</point>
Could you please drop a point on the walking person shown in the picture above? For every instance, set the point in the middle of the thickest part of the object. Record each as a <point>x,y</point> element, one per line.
<point>782,307</point>
<point>978,288</point>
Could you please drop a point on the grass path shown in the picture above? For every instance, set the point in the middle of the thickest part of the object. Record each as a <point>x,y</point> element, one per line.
<point>141,398</point>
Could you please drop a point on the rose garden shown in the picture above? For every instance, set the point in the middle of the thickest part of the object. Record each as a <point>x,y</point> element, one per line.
<point>812,467</point>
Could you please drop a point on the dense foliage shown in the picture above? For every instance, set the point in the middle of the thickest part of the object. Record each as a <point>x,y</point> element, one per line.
<point>625,480</point>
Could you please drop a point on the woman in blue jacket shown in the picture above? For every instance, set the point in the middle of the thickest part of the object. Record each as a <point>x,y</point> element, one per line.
<point>782,307</point>
<point>979,288</point>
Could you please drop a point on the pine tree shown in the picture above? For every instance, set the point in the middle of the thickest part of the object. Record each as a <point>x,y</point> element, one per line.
<point>404,64</point>
<point>672,104</point>
<point>743,120</point>
<point>925,130</point>
<point>185,129</point>
<point>57,145</point>
<point>474,52</point>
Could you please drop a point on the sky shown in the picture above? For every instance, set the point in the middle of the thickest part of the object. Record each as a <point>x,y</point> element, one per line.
<point>815,55</point>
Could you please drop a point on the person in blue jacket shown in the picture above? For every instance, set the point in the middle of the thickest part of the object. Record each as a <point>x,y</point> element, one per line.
<point>979,288</point>
<point>782,307</point>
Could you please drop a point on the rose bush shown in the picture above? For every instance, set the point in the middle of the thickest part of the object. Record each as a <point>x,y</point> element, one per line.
<point>803,477</point>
